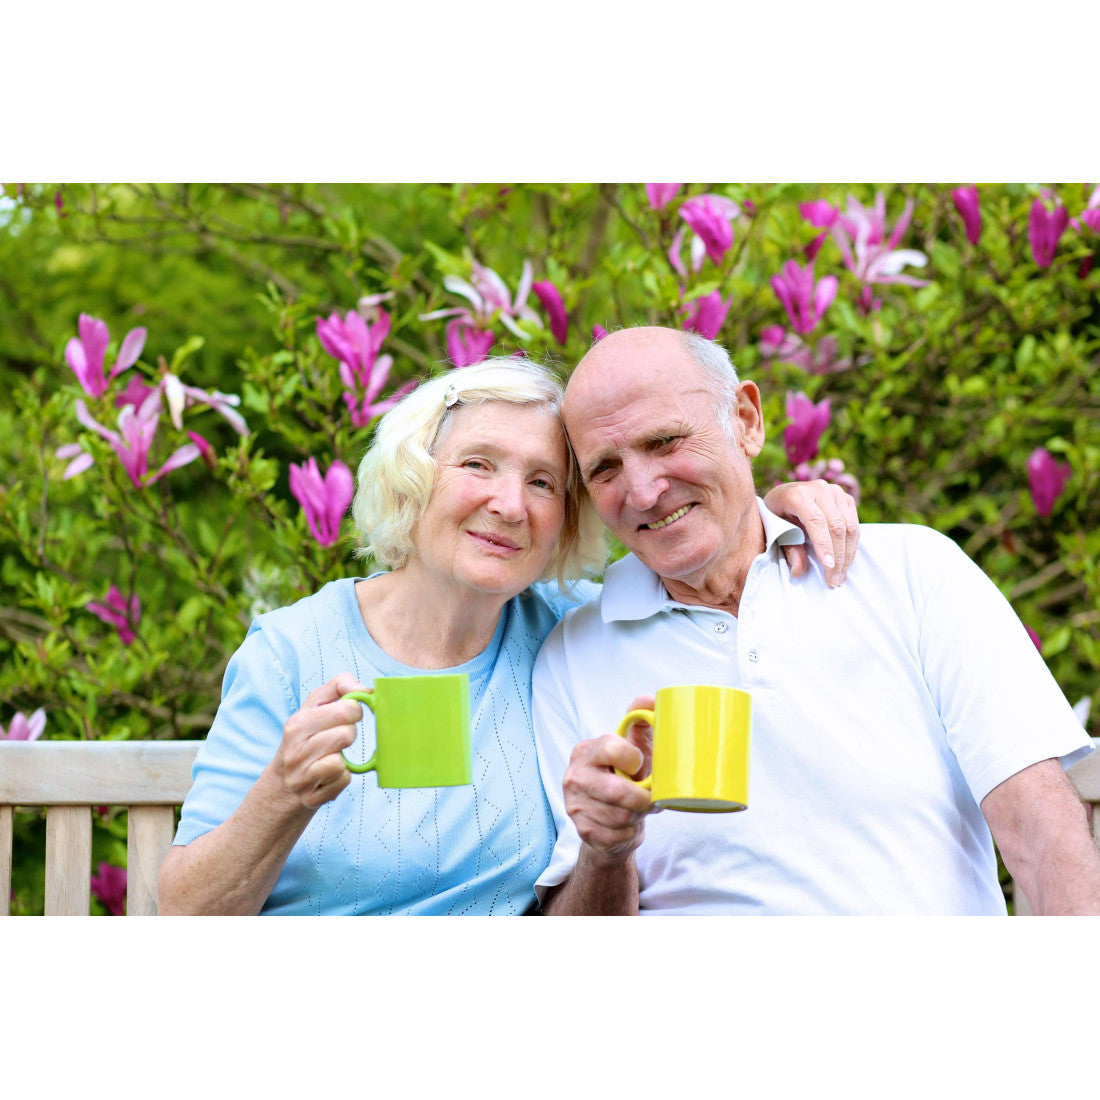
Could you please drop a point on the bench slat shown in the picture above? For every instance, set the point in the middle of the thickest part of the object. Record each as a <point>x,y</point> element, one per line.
<point>83,773</point>
<point>68,861</point>
<point>150,836</point>
<point>5,859</point>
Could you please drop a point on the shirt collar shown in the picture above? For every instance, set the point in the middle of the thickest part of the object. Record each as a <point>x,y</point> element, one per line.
<point>632,591</point>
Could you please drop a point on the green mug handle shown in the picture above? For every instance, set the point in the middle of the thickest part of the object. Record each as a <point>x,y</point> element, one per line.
<point>367,699</point>
<point>629,720</point>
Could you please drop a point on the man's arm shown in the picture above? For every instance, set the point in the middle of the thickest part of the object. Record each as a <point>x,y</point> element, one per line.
<point>1040,826</point>
<point>609,814</point>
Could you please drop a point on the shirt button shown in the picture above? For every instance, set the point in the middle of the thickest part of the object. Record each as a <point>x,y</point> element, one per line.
<point>753,656</point>
<point>721,628</point>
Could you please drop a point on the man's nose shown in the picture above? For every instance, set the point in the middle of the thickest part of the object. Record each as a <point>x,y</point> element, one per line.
<point>644,485</point>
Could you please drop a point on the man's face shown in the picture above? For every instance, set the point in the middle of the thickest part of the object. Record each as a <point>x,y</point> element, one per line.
<point>671,481</point>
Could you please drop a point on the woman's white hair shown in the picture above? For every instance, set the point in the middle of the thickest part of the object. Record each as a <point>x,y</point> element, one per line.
<point>397,474</point>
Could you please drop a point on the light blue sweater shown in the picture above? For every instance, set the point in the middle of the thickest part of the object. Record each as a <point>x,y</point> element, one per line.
<point>449,850</point>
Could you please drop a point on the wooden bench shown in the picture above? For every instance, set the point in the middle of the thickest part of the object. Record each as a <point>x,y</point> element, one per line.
<point>149,778</point>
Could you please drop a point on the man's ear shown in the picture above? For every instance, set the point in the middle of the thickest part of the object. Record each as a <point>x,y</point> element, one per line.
<point>748,418</point>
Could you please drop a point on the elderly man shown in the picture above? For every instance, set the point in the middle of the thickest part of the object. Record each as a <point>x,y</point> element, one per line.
<point>897,720</point>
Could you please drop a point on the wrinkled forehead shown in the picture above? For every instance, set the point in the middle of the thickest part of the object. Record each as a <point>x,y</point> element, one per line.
<point>532,433</point>
<point>641,381</point>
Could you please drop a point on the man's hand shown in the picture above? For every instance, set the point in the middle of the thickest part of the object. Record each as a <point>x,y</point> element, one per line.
<point>828,516</point>
<point>607,809</point>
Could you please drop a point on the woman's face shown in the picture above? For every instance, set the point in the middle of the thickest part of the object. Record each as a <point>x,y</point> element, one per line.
<point>498,503</point>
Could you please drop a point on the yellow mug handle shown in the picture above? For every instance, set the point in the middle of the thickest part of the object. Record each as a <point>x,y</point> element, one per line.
<point>629,720</point>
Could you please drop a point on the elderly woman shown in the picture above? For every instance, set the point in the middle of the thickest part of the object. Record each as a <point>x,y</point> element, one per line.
<point>470,496</point>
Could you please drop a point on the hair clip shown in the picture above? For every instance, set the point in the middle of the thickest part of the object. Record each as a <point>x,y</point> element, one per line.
<point>450,397</point>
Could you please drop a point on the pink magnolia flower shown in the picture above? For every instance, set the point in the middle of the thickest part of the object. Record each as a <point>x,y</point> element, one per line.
<point>598,333</point>
<point>467,344</point>
<point>118,612</point>
<point>706,314</point>
<point>180,397</point>
<point>1034,638</point>
<point>1045,228</point>
<point>711,217</point>
<point>134,439</point>
<point>804,300</point>
<point>807,422</point>
<point>109,887</point>
<point>831,470</point>
<point>470,339</point>
<point>551,300</point>
<point>79,460</point>
<point>22,728</point>
<point>860,234</point>
<point>134,393</point>
<point>362,370</point>
<point>697,254</point>
<point>776,343</point>
<point>85,353</point>
<point>323,499</point>
<point>1047,479</point>
<point>966,203</point>
<point>661,194</point>
<point>1090,216</point>
<point>206,452</point>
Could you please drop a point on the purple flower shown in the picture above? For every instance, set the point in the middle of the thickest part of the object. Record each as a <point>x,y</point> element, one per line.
<point>807,422</point>
<point>777,343</point>
<point>820,213</point>
<point>324,500</point>
<point>467,344</point>
<point>706,315</point>
<point>79,460</point>
<point>1045,227</point>
<point>550,298</point>
<point>661,194</point>
<point>469,340</point>
<point>118,612</point>
<point>598,333</point>
<point>22,728</point>
<point>966,203</point>
<point>109,887</point>
<point>1091,214</point>
<point>804,300</point>
<point>860,234</point>
<point>362,370</point>
<point>85,353</point>
<point>831,470</point>
<point>134,439</point>
<point>711,217</point>
<point>1047,479</point>
<point>1035,638</point>
<point>180,397</point>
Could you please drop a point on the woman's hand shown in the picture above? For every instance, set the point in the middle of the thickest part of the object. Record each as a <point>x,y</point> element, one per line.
<point>308,763</point>
<point>828,516</point>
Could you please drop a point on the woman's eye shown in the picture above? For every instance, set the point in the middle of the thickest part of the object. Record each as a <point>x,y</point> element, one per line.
<point>475,464</point>
<point>542,483</point>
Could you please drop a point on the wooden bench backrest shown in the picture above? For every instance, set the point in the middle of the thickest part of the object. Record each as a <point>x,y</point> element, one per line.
<point>149,778</point>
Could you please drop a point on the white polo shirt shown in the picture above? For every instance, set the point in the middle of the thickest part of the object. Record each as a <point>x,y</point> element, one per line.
<point>884,711</point>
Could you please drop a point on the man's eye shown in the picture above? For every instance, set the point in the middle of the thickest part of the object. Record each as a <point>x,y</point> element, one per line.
<point>667,440</point>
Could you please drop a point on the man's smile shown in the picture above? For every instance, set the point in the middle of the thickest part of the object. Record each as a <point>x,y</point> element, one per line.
<point>657,524</point>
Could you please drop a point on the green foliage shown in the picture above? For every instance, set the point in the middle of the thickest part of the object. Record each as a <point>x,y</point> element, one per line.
<point>950,388</point>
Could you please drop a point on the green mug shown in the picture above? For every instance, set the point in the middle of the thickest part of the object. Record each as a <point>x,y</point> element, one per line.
<point>422,731</point>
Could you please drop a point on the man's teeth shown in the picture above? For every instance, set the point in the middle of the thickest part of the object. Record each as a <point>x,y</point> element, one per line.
<point>668,519</point>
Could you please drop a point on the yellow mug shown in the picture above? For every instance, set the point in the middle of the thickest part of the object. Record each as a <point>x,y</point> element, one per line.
<point>700,748</point>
